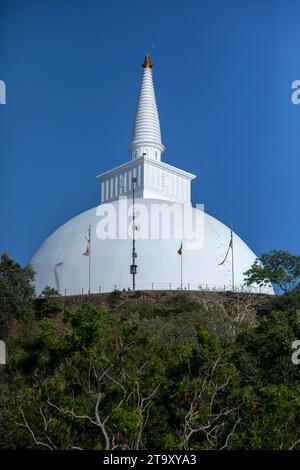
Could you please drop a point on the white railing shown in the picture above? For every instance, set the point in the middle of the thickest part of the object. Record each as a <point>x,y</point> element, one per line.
<point>106,288</point>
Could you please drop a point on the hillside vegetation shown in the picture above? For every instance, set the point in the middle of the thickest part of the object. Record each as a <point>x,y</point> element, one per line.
<point>150,370</point>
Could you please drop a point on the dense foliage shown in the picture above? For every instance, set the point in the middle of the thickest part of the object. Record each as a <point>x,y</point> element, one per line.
<point>16,292</point>
<point>281,268</point>
<point>134,375</point>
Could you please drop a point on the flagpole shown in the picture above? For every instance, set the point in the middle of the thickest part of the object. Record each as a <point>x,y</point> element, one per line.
<point>90,259</point>
<point>181,268</point>
<point>232,259</point>
<point>133,266</point>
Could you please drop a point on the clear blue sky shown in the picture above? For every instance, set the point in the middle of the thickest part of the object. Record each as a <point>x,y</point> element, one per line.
<point>223,72</point>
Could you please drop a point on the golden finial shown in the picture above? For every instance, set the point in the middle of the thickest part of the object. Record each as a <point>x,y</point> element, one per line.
<point>147,62</point>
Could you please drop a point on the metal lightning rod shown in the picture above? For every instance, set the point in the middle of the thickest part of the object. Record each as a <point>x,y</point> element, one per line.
<point>133,267</point>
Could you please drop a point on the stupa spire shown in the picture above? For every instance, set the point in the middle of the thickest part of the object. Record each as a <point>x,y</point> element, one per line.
<point>146,137</point>
<point>147,62</point>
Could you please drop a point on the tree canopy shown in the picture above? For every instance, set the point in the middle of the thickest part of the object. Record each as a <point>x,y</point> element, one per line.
<point>281,268</point>
<point>16,291</point>
<point>181,372</point>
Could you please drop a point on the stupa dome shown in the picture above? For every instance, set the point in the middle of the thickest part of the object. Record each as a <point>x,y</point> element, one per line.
<point>175,245</point>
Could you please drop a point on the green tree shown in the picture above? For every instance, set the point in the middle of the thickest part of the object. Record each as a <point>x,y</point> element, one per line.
<point>281,268</point>
<point>50,303</point>
<point>88,384</point>
<point>206,394</point>
<point>16,291</point>
<point>263,354</point>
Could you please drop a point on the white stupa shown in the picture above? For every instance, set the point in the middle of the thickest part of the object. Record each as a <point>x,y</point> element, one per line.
<point>93,251</point>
